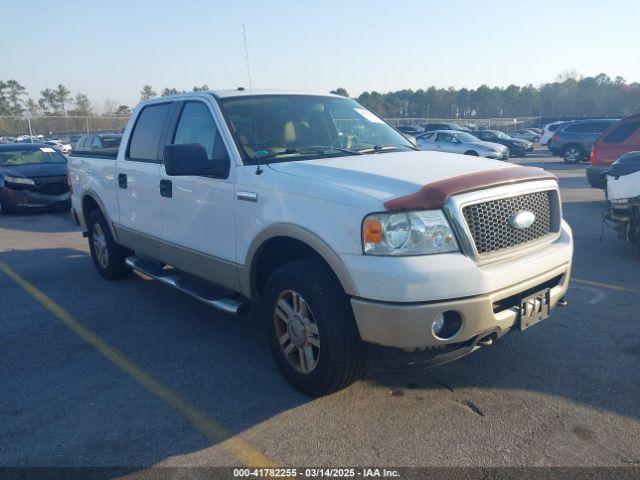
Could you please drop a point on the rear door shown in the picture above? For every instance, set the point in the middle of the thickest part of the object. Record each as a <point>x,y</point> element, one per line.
<point>198,211</point>
<point>138,173</point>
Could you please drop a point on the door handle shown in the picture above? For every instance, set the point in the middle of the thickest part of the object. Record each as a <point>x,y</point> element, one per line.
<point>122,180</point>
<point>166,188</point>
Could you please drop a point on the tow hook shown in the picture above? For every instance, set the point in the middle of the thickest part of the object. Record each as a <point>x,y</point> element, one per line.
<point>563,302</point>
<point>486,341</point>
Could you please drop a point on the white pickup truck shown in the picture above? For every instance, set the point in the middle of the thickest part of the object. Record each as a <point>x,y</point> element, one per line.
<point>315,210</point>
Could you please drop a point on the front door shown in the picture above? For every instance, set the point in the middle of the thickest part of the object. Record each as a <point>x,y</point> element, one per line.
<point>198,211</point>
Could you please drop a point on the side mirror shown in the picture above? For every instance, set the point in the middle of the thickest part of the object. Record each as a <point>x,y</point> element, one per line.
<point>191,159</point>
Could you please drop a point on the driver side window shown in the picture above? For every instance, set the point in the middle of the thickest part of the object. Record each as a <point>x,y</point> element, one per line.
<point>445,137</point>
<point>196,125</point>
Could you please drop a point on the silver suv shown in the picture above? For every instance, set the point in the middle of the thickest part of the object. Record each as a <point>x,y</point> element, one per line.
<point>461,142</point>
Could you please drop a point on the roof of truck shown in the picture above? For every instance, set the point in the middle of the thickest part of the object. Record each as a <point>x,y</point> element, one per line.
<point>244,92</point>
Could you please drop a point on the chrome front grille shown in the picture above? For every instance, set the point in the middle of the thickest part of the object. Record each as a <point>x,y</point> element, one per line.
<point>488,222</point>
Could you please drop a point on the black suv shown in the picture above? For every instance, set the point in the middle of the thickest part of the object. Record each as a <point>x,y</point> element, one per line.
<point>573,140</point>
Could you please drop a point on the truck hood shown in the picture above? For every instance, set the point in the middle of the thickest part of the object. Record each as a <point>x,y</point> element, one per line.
<point>385,176</point>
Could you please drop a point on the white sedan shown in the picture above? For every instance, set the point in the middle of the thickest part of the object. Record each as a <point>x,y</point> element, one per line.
<point>60,146</point>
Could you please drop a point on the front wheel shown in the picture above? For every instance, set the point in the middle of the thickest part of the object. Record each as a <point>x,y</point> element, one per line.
<point>310,328</point>
<point>471,152</point>
<point>108,257</point>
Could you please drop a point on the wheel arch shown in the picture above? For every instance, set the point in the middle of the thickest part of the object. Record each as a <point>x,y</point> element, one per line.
<point>91,202</point>
<point>281,243</point>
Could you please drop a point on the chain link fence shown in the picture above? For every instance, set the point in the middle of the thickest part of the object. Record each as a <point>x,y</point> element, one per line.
<point>506,125</point>
<point>55,126</point>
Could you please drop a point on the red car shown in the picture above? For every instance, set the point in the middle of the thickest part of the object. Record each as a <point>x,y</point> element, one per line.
<point>620,138</point>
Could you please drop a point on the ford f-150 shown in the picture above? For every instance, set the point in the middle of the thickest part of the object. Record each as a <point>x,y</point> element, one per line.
<point>330,222</point>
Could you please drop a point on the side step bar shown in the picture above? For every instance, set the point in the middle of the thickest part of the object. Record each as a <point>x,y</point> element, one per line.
<point>213,298</point>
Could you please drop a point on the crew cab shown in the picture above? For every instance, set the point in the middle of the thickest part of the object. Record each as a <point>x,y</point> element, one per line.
<point>328,221</point>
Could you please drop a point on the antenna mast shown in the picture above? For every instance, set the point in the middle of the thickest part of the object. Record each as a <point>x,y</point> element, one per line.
<point>253,108</point>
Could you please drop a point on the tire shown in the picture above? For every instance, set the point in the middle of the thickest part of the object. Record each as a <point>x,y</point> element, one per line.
<point>110,265</point>
<point>572,153</point>
<point>5,209</point>
<point>325,328</point>
<point>471,152</point>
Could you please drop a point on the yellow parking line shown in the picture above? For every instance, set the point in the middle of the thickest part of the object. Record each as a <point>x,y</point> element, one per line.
<point>610,286</point>
<point>244,452</point>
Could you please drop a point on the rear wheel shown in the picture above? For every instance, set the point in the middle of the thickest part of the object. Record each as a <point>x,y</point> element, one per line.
<point>310,328</point>
<point>572,154</point>
<point>108,257</point>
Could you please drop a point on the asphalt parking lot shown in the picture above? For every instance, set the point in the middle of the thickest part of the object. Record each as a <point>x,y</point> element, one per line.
<point>134,374</point>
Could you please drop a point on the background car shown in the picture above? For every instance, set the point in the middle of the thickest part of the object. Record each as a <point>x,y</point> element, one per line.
<point>619,139</point>
<point>59,146</point>
<point>516,146</point>
<point>548,131</point>
<point>99,142</point>
<point>32,175</point>
<point>71,139</point>
<point>461,142</point>
<point>430,127</point>
<point>409,130</point>
<point>573,140</point>
<point>537,130</point>
<point>526,134</point>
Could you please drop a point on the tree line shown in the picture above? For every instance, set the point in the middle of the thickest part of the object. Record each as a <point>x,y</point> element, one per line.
<point>570,96</point>
<point>59,101</point>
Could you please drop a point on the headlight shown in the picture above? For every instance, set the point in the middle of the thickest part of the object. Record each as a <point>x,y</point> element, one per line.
<point>18,180</point>
<point>408,233</point>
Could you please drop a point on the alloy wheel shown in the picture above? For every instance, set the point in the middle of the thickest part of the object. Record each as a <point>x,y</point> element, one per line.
<point>572,155</point>
<point>296,331</point>
<point>100,245</point>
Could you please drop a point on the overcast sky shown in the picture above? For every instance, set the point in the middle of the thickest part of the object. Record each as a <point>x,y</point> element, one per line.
<point>109,49</point>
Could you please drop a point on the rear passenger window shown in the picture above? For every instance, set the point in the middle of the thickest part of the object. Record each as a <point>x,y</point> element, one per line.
<point>196,125</point>
<point>621,132</point>
<point>146,133</point>
<point>580,128</point>
<point>600,127</point>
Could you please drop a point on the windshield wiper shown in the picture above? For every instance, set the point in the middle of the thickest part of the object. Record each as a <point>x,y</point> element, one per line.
<point>319,149</point>
<point>379,149</point>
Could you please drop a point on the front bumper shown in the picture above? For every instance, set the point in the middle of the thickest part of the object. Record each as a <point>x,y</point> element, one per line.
<point>496,156</point>
<point>408,325</point>
<point>28,199</point>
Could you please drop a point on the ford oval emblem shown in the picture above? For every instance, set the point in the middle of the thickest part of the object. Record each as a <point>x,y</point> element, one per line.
<point>522,220</point>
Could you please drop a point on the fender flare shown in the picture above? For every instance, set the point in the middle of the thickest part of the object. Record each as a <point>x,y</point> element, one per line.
<point>248,274</point>
<point>88,192</point>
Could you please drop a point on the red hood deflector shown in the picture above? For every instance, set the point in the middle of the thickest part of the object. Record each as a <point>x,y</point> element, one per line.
<point>435,195</point>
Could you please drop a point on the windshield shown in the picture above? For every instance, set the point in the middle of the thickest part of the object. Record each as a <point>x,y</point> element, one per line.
<point>501,135</point>
<point>26,157</point>
<point>301,127</point>
<point>466,137</point>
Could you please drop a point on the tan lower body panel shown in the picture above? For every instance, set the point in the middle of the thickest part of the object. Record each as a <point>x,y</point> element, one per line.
<point>212,269</point>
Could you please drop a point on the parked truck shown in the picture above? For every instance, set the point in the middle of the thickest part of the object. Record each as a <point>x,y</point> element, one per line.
<point>327,221</point>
